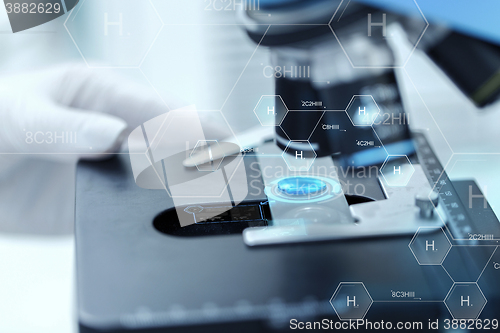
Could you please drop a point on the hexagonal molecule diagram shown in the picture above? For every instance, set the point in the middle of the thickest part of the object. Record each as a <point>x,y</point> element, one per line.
<point>362,110</point>
<point>364,31</point>
<point>299,155</point>
<point>113,33</point>
<point>397,170</point>
<point>205,149</point>
<point>430,246</point>
<point>465,300</point>
<point>271,110</point>
<point>351,300</point>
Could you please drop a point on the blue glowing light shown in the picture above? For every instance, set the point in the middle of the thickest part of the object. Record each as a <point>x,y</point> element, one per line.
<point>301,185</point>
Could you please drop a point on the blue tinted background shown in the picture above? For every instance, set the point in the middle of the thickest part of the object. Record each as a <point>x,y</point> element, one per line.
<point>479,18</point>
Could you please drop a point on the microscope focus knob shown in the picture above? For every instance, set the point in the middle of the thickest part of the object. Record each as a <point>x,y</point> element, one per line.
<point>426,203</point>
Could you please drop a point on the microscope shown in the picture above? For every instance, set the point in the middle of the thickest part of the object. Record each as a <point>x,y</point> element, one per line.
<point>327,53</point>
<point>346,200</point>
<point>337,97</point>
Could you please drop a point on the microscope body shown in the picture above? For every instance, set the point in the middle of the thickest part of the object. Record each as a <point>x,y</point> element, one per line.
<point>336,87</point>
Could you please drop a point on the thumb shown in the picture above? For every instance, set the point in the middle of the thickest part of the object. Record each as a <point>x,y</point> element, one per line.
<point>67,134</point>
<point>97,135</point>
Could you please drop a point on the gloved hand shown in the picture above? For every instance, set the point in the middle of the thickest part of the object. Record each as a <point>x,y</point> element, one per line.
<point>60,115</point>
<point>72,112</point>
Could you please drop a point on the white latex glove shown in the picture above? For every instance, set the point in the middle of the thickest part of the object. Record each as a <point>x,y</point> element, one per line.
<point>41,114</point>
<point>60,115</point>
<point>72,112</point>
